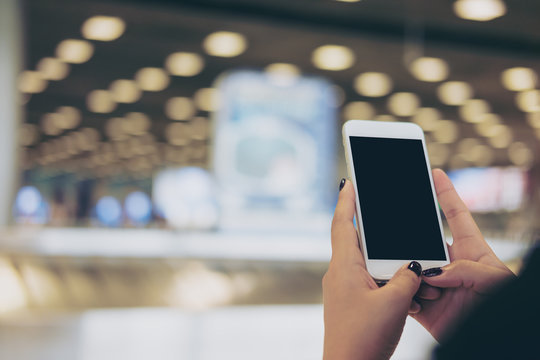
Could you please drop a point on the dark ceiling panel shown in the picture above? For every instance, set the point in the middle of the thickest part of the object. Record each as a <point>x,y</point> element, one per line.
<point>380,33</point>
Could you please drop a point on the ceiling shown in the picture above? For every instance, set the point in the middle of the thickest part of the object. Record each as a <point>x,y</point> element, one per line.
<point>380,32</point>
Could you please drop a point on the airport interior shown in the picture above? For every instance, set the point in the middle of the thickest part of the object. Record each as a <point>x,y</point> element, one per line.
<point>169,169</point>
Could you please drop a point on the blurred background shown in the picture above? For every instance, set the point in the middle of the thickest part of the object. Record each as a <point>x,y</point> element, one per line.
<point>170,168</point>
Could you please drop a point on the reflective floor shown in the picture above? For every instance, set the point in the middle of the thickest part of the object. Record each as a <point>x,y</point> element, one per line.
<point>197,299</point>
<point>244,332</point>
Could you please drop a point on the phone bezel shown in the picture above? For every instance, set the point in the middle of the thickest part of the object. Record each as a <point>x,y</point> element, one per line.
<point>385,269</point>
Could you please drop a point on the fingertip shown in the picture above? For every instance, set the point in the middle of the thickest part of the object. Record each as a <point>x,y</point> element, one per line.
<point>342,183</point>
<point>431,272</point>
<point>406,279</point>
<point>438,171</point>
<point>415,307</point>
<point>415,267</point>
<point>346,193</point>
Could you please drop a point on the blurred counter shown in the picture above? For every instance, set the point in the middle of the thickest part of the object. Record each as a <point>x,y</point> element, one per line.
<point>296,246</point>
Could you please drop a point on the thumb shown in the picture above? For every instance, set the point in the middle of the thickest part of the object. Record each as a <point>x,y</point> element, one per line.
<point>469,274</point>
<point>406,281</point>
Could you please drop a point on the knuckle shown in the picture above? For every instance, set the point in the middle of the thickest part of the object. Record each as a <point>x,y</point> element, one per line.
<point>454,212</point>
<point>462,264</point>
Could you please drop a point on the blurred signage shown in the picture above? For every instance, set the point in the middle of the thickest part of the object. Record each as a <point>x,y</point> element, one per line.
<point>275,143</point>
<point>491,189</point>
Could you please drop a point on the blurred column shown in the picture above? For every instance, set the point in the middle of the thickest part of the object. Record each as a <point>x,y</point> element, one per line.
<point>10,112</point>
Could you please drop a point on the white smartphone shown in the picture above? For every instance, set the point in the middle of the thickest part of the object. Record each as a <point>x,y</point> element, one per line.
<point>397,212</point>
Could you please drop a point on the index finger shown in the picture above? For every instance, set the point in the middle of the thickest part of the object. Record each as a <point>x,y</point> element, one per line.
<point>344,237</point>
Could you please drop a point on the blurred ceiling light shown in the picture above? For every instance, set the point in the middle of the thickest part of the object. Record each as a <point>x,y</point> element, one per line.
<point>358,110</point>
<point>70,144</point>
<point>32,82</point>
<point>177,133</point>
<point>114,129</point>
<point>136,145</point>
<point>103,28</point>
<point>427,118</point>
<point>152,79</point>
<point>179,108</point>
<point>71,115</point>
<point>74,51</point>
<point>199,128</point>
<point>282,74</point>
<point>60,121</point>
<point>438,153</point>
<point>519,78</point>
<point>481,155</point>
<point>473,110</point>
<point>533,119</point>
<point>184,64</point>
<point>333,57</point>
<point>520,154</point>
<point>528,100</point>
<point>457,162</point>
<point>403,103</point>
<point>479,10</point>
<point>48,124</point>
<point>123,150</point>
<point>446,131</point>
<point>28,134</point>
<point>225,44</point>
<point>45,148</point>
<point>373,84</point>
<point>385,117</point>
<point>127,127</point>
<point>487,123</point>
<point>52,69</point>
<point>500,136</point>
<point>125,91</point>
<point>87,139</point>
<point>207,99</point>
<point>429,69</point>
<point>140,123</point>
<point>348,1</point>
<point>100,101</point>
<point>465,146</point>
<point>454,92</point>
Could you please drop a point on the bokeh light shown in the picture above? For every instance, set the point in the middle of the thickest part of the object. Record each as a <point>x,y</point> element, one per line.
<point>103,28</point>
<point>109,211</point>
<point>333,57</point>
<point>138,207</point>
<point>225,44</point>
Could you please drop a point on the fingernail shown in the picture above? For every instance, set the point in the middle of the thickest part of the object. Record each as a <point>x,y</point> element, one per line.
<point>415,267</point>
<point>432,272</point>
<point>342,184</point>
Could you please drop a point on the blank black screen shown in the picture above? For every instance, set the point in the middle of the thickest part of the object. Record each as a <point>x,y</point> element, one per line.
<point>396,202</point>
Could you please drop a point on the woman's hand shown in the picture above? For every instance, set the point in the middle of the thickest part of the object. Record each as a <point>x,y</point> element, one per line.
<point>362,321</point>
<point>475,270</point>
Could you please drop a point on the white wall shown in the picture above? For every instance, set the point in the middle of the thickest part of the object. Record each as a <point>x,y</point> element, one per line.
<point>10,112</point>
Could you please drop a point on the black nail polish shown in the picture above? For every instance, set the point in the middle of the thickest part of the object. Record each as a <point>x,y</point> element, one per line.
<point>415,267</point>
<point>342,184</point>
<point>432,272</point>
